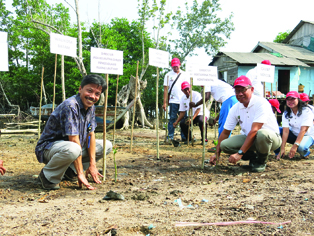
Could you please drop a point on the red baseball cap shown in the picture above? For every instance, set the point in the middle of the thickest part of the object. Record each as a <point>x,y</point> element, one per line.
<point>293,94</point>
<point>275,103</point>
<point>185,85</point>
<point>304,97</point>
<point>266,62</point>
<point>242,81</point>
<point>175,62</point>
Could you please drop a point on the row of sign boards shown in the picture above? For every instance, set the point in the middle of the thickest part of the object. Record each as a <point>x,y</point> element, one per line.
<point>108,61</point>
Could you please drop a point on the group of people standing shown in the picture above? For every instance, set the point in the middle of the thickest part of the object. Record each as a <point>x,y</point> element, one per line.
<point>243,104</point>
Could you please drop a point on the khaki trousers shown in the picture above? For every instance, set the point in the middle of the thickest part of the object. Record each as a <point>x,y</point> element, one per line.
<point>265,142</point>
<point>62,154</point>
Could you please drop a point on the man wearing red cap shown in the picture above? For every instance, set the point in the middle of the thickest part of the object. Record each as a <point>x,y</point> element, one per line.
<point>256,83</point>
<point>260,131</point>
<point>198,114</point>
<point>172,84</point>
<point>305,98</point>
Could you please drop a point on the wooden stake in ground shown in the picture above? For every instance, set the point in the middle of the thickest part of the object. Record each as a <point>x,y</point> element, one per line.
<point>191,117</point>
<point>104,166</point>
<point>157,120</point>
<point>134,108</point>
<point>41,97</point>
<point>271,91</point>
<point>115,112</point>
<point>54,84</point>
<point>215,117</point>
<point>264,85</point>
<point>204,127</point>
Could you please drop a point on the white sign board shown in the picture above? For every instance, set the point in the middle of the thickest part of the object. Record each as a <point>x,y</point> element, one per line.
<point>265,73</point>
<point>63,45</point>
<point>4,64</point>
<point>106,61</point>
<point>158,58</point>
<point>204,75</point>
<point>3,37</point>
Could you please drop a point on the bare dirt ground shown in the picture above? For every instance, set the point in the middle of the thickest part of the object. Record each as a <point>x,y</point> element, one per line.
<point>284,192</point>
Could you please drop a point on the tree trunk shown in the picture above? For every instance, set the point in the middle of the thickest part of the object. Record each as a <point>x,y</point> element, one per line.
<point>126,95</point>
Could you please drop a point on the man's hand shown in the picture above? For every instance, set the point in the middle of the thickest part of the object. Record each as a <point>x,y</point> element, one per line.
<point>82,180</point>
<point>293,150</point>
<point>93,171</point>
<point>175,124</point>
<point>212,159</point>
<point>192,104</point>
<point>2,169</point>
<point>187,121</point>
<point>164,106</point>
<point>234,158</point>
<point>282,152</point>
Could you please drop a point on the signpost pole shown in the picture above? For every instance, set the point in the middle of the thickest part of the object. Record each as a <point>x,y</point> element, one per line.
<point>157,120</point>
<point>41,97</point>
<point>54,84</point>
<point>115,111</point>
<point>134,107</point>
<point>104,130</point>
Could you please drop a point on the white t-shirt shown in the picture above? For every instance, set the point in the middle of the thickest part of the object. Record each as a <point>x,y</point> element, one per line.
<point>256,83</point>
<point>196,96</point>
<point>312,108</point>
<point>221,91</point>
<point>295,123</point>
<point>176,92</point>
<point>259,110</point>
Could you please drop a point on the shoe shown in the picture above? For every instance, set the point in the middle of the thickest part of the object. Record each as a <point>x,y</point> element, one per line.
<point>46,184</point>
<point>206,141</point>
<point>256,167</point>
<point>168,141</point>
<point>70,175</point>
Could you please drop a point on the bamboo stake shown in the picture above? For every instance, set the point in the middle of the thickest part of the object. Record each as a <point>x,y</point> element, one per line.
<point>54,84</point>
<point>115,112</point>
<point>191,97</point>
<point>264,89</point>
<point>215,118</point>
<point>104,130</point>
<point>204,127</point>
<point>157,120</point>
<point>41,97</point>
<point>134,107</point>
<point>271,90</point>
<point>191,116</point>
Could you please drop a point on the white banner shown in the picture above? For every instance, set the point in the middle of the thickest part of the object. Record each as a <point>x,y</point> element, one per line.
<point>158,58</point>
<point>63,45</point>
<point>106,61</point>
<point>204,75</point>
<point>4,63</point>
<point>265,73</point>
<point>3,37</point>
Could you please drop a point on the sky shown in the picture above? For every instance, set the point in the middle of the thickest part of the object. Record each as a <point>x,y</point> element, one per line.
<point>254,21</point>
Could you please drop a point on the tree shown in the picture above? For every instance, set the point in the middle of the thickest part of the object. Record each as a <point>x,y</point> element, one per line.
<point>281,36</point>
<point>200,27</point>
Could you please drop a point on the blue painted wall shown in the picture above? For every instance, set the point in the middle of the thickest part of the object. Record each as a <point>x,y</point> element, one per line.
<point>304,75</point>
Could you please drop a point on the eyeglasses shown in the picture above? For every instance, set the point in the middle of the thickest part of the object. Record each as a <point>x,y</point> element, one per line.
<point>242,90</point>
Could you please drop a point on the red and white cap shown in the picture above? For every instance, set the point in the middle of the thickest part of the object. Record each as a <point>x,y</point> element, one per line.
<point>275,103</point>
<point>242,81</point>
<point>304,97</point>
<point>175,62</point>
<point>293,94</point>
<point>185,85</point>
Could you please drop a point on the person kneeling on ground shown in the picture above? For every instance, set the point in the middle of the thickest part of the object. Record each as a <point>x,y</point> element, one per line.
<point>259,127</point>
<point>68,145</point>
<point>198,114</point>
<point>297,127</point>
<point>2,169</point>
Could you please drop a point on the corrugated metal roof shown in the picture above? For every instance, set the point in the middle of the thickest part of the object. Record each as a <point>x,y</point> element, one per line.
<point>287,50</point>
<point>254,58</point>
<point>302,22</point>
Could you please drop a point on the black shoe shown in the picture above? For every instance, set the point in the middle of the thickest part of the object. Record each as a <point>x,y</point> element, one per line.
<point>46,184</point>
<point>256,167</point>
<point>70,175</point>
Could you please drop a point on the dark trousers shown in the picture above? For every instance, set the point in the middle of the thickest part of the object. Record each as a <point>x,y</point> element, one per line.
<point>199,120</point>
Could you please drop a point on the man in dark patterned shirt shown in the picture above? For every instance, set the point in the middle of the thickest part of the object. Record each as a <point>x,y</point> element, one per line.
<point>68,145</point>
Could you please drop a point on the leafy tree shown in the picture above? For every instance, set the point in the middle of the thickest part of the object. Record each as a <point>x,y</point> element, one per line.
<point>281,36</point>
<point>200,27</point>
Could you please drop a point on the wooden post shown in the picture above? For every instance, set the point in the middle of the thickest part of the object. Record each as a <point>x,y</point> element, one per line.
<point>271,90</point>
<point>204,127</point>
<point>134,107</point>
<point>191,97</point>
<point>215,117</point>
<point>54,84</point>
<point>157,120</point>
<point>115,111</point>
<point>264,89</point>
<point>41,97</point>
<point>105,130</point>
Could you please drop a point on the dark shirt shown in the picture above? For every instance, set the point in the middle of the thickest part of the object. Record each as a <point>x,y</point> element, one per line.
<point>69,119</point>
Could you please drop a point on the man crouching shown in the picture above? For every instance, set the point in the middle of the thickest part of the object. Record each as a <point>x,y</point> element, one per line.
<point>68,145</point>
<point>260,131</point>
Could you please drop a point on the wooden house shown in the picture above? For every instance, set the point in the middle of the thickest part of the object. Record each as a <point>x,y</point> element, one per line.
<point>293,60</point>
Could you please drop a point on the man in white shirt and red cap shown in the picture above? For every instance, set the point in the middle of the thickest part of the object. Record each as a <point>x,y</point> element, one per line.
<point>259,127</point>
<point>172,84</point>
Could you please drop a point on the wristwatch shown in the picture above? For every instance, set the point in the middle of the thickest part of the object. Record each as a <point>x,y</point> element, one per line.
<point>297,144</point>
<point>240,152</point>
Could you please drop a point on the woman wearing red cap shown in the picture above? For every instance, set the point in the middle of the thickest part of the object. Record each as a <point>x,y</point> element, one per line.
<point>305,98</point>
<point>297,127</point>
